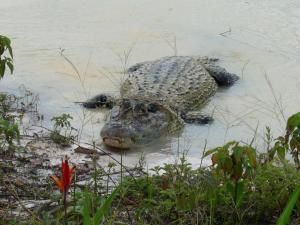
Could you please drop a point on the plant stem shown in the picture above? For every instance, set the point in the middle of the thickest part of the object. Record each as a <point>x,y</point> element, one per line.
<point>74,197</point>
<point>235,192</point>
<point>107,182</point>
<point>121,188</point>
<point>65,207</point>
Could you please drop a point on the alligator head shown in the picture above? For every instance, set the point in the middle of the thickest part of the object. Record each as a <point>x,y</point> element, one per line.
<point>135,122</point>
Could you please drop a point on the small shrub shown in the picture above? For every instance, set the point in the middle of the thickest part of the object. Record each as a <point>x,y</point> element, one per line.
<point>292,137</point>
<point>57,138</point>
<point>9,132</point>
<point>271,189</point>
<point>62,132</point>
<point>176,194</point>
<point>236,164</point>
<point>286,214</point>
<point>5,60</point>
<point>4,106</point>
<point>235,190</point>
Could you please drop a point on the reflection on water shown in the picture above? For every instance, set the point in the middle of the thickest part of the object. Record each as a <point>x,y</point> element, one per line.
<point>258,40</point>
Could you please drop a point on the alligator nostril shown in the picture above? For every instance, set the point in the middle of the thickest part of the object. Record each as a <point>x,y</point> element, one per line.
<point>153,107</point>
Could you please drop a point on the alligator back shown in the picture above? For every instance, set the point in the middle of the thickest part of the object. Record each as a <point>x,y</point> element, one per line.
<point>181,82</point>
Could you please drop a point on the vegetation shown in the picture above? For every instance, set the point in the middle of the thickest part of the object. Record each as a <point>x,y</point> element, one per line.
<point>62,130</point>
<point>238,188</point>
<point>180,195</point>
<point>6,60</point>
<point>9,130</point>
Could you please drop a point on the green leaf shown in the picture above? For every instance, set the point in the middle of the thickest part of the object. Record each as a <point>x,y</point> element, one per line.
<point>230,189</point>
<point>251,153</point>
<point>5,40</point>
<point>271,153</point>
<point>293,122</point>
<point>209,152</point>
<point>281,152</point>
<point>10,66</point>
<point>222,157</point>
<point>86,210</point>
<point>215,158</point>
<point>237,172</point>
<point>238,152</point>
<point>10,51</point>
<point>227,166</point>
<point>286,214</point>
<point>2,68</point>
<point>240,192</point>
<point>181,202</point>
<point>104,209</point>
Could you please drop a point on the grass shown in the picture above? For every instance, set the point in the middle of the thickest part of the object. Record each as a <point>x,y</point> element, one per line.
<point>178,194</point>
<point>241,186</point>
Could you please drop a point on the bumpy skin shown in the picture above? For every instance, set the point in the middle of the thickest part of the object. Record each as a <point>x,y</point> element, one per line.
<point>156,93</point>
<point>134,122</point>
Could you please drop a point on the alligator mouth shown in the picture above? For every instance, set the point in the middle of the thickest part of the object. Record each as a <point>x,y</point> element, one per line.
<point>117,142</point>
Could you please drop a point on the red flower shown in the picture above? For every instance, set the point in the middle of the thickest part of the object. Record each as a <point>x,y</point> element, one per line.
<point>65,181</point>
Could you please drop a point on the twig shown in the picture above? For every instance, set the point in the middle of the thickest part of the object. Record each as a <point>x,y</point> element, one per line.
<point>244,67</point>
<point>277,101</point>
<point>12,190</point>
<point>203,152</point>
<point>226,32</point>
<point>254,135</point>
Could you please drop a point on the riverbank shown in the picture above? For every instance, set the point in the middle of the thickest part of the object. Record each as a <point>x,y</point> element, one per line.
<point>242,185</point>
<point>31,153</point>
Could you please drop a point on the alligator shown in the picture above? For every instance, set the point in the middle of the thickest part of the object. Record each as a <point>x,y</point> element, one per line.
<point>158,97</point>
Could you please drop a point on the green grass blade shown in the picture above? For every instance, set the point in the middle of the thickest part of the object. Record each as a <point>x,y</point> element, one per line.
<point>105,207</point>
<point>286,214</point>
<point>86,210</point>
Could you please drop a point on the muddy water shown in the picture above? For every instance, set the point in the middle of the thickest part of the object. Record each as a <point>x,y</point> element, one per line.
<point>259,40</point>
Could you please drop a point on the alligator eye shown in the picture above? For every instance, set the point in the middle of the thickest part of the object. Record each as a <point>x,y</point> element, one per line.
<point>101,98</point>
<point>140,109</point>
<point>152,107</point>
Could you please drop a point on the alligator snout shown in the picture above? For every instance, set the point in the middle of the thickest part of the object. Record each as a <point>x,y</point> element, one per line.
<point>117,135</point>
<point>116,142</point>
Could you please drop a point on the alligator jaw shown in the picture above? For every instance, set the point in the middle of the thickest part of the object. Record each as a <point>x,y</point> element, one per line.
<point>116,142</point>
